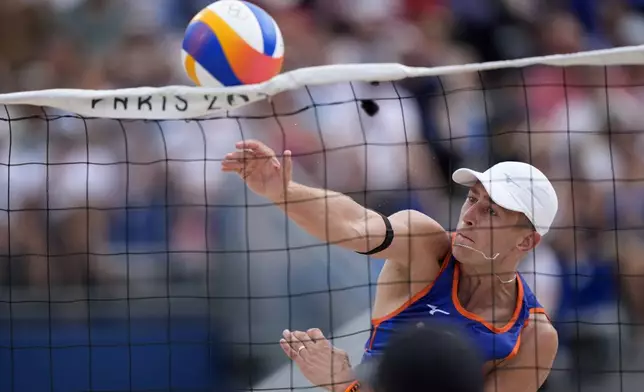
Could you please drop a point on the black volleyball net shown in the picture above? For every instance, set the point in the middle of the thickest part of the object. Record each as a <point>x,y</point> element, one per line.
<point>130,262</point>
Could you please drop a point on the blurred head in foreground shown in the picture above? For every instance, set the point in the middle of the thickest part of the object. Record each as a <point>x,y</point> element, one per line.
<point>429,358</point>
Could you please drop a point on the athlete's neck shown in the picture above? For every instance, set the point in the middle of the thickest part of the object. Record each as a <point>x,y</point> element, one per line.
<point>482,288</point>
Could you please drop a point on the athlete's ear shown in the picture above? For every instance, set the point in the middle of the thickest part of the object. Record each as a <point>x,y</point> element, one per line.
<point>529,241</point>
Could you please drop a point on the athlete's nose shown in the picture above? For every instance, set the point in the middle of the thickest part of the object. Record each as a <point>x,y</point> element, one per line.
<point>470,216</point>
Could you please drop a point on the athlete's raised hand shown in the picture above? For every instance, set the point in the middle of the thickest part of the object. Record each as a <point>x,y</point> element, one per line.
<point>321,363</point>
<point>258,165</point>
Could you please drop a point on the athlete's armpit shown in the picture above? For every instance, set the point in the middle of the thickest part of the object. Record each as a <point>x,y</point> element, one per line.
<point>528,370</point>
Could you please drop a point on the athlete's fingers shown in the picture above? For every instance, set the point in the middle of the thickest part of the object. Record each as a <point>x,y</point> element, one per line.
<point>227,169</point>
<point>304,338</point>
<point>288,163</point>
<point>295,355</point>
<point>236,156</point>
<point>244,158</point>
<point>296,344</point>
<point>256,146</point>
<point>228,162</point>
<point>316,335</point>
<point>250,158</point>
<point>292,340</point>
<point>233,168</point>
<point>250,144</point>
<point>297,350</point>
<point>241,156</point>
<point>234,165</point>
<point>232,162</point>
<point>287,349</point>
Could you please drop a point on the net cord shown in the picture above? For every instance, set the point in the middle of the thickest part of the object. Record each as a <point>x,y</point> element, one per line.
<point>184,102</point>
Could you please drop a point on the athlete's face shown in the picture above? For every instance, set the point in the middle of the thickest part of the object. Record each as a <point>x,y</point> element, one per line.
<point>490,229</point>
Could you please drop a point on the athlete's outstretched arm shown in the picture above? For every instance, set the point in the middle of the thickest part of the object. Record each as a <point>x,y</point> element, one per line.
<point>528,370</point>
<point>330,216</point>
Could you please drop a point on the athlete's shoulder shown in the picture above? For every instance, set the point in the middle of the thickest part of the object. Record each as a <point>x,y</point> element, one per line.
<point>540,329</point>
<point>425,239</point>
<point>529,297</point>
<point>537,325</point>
<point>531,366</point>
<point>423,229</point>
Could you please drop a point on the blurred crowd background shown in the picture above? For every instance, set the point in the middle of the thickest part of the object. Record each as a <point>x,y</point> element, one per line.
<point>148,269</point>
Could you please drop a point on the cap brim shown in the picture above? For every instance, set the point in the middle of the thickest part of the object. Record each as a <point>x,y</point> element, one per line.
<point>466,177</point>
<point>495,189</point>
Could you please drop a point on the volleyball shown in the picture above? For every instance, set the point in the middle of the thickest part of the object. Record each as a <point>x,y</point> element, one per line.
<point>232,43</point>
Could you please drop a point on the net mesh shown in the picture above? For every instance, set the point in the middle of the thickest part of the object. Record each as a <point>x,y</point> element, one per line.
<point>130,262</point>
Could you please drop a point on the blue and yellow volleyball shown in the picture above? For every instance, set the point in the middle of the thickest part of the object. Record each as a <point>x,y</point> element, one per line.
<point>232,43</point>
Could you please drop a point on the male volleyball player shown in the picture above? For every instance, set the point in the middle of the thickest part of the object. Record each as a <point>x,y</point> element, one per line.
<point>468,278</point>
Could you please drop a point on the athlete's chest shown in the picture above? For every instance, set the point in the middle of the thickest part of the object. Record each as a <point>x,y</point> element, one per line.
<point>493,343</point>
<point>495,318</point>
<point>493,331</point>
<point>484,320</point>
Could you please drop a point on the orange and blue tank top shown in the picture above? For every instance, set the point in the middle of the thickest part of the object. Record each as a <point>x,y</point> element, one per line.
<point>439,302</point>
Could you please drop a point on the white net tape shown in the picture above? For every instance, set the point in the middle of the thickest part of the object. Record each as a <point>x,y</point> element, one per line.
<point>181,102</point>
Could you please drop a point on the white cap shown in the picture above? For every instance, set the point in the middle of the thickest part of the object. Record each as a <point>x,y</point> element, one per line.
<point>517,186</point>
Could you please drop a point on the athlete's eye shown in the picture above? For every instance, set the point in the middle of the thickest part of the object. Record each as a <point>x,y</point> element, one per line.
<point>471,199</point>
<point>492,212</point>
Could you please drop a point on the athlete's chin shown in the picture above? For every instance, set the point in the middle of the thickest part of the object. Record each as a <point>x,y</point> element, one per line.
<point>467,256</point>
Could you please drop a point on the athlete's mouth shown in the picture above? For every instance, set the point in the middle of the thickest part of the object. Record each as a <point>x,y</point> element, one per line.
<point>465,237</point>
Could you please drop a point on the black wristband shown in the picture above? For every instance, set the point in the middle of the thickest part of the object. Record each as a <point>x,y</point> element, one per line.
<point>389,237</point>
